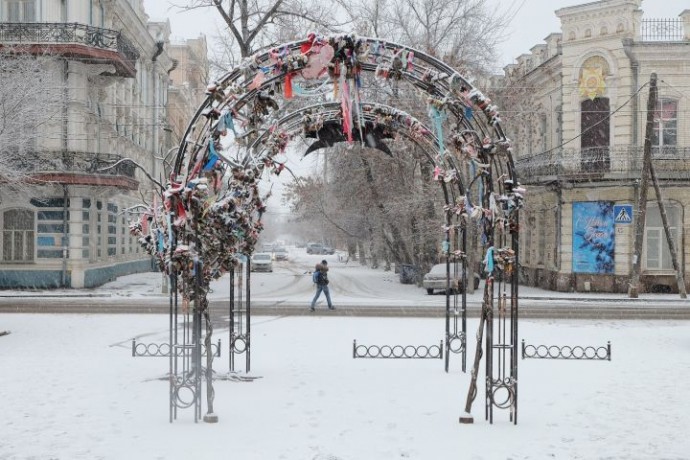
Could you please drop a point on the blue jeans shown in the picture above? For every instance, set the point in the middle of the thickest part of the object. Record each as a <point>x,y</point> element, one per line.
<point>319,289</point>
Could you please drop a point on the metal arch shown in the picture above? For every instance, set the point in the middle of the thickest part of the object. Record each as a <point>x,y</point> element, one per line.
<point>490,165</point>
<point>438,79</point>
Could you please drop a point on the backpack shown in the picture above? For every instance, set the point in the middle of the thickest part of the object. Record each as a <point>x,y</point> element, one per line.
<point>315,277</point>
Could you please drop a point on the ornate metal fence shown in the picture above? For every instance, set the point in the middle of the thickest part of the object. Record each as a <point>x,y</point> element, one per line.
<point>566,352</point>
<point>398,351</point>
<point>162,350</point>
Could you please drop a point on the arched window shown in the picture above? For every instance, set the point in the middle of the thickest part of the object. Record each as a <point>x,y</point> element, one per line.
<point>657,252</point>
<point>18,236</point>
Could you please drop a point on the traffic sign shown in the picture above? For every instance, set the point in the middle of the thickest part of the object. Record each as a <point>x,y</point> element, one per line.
<point>623,214</point>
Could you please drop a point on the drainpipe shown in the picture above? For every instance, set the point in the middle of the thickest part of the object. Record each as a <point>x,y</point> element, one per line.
<point>635,66</point>
<point>156,102</point>
<point>65,146</point>
<point>65,235</point>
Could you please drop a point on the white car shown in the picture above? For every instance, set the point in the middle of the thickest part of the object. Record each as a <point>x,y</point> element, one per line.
<point>435,280</point>
<point>262,262</point>
<point>279,253</point>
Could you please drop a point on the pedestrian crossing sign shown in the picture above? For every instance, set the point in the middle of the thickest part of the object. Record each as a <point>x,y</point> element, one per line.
<point>623,214</point>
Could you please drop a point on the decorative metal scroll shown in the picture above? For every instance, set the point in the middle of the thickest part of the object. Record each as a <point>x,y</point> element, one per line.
<point>240,315</point>
<point>210,213</point>
<point>398,351</point>
<point>592,353</point>
<point>162,350</point>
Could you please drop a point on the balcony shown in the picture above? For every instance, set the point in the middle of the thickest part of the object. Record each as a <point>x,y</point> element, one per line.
<point>613,163</point>
<point>662,30</point>
<point>77,168</point>
<point>84,43</point>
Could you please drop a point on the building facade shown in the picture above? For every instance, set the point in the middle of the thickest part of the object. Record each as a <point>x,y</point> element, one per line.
<point>69,226</point>
<point>577,107</point>
<point>188,81</point>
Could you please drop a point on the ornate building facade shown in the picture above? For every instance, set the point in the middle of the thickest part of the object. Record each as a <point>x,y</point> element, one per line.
<point>578,108</point>
<point>69,226</point>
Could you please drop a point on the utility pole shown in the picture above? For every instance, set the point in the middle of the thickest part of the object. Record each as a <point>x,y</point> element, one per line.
<point>633,290</point>
<point>669,238</point>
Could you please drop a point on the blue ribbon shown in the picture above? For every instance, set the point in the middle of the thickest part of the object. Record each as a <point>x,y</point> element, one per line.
<point>212,158</point>
<point>438,118</point>
<point>489,260</point>
<point>446,246</point>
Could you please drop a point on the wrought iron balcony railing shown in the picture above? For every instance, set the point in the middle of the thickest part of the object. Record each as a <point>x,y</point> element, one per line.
<point>662,30</point>
<point>70,167</point>
<point>64,34</point>
<point>602,163</point>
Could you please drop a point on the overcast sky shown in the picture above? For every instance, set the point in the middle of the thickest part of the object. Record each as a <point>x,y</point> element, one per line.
<point>532,23</point>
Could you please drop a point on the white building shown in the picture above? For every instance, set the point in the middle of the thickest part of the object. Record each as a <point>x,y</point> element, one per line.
<point>73,231</point>
<point>577,108</point>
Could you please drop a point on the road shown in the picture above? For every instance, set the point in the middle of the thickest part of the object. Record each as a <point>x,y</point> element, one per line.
<point>355,290</point>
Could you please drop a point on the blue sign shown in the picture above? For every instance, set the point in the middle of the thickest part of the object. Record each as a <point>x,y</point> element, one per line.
<point>593,237</point>
<point>623,214</point>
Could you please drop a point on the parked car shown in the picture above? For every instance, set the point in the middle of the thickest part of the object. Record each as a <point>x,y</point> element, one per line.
<point>328,250</point>
<point>262,262</point>
<point>280,253</point>
<point>314,248</point>
<point>435,280</point>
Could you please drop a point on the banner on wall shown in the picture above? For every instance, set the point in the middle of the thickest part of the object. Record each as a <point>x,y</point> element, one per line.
<point>593,237</point>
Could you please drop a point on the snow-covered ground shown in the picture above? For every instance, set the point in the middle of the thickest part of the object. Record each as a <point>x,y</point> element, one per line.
<point>70,389</point>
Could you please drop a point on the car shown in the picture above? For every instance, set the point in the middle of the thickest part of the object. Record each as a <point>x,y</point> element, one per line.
<point>314,248</point>
<point>262,262</point>
<point>328,250</point>
<point>435,280</point>
<point>280,253</point>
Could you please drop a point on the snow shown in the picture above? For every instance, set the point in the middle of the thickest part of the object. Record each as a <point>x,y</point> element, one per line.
<point>70,388</point>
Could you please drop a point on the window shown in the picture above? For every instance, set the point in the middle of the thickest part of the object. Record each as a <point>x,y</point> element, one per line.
<point>112,229</point>
<point>50,227</point>
<point>595,128</point>
<point>665,124</point>
<point>18,236</point>
<point>21,10</point>
<point>658,254</point>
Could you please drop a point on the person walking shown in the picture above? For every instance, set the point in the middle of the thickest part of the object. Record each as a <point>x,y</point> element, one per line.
<point>320,278</point>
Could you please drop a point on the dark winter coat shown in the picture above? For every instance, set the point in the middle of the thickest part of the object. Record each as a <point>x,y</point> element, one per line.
<point>322,277</point>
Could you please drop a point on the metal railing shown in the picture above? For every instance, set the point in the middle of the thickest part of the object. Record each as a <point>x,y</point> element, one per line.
<point>662,30</point>
<point>66,33</point>
<point>611,162</point>
<point>73,162</point>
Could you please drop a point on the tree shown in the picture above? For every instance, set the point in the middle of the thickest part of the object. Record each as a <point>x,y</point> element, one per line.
<point>260,23</point>
<point>462,33</point>
<point>31,101</point>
